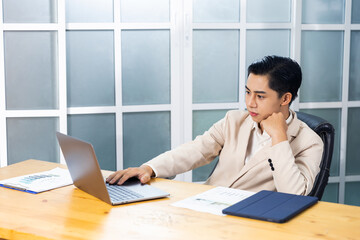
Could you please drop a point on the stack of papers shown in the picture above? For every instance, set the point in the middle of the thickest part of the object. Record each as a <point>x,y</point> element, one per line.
<point>214,200</point>
<point>39,182</point>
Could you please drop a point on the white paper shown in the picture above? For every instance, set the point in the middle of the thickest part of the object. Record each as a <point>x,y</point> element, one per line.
<point>41,181</point>
<point>214,200</point>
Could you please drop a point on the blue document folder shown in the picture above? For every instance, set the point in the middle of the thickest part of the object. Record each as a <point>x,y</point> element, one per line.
<point>271,206</point>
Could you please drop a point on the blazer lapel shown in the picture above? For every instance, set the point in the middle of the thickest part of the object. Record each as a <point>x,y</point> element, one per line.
<point>256,159</point>
<point>293,128</point>
<point>243,141</point>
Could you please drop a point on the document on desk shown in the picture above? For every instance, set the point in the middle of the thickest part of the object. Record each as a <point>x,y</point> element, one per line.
<point>39,182</point>
<point>214,200</point>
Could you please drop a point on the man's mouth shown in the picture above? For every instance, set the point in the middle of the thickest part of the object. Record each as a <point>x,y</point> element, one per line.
<point>253,114</point>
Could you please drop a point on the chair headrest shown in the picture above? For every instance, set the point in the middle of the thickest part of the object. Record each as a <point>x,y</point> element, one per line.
<point>316,123</point>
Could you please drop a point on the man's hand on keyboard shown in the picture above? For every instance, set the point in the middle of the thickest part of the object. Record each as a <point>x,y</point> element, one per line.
<point>143,173</point>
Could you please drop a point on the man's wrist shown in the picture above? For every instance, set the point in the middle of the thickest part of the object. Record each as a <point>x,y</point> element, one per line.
<point>278,139</point>
<point>149,170</point>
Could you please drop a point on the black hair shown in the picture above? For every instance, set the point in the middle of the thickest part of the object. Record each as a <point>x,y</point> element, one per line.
<point>284,74</point>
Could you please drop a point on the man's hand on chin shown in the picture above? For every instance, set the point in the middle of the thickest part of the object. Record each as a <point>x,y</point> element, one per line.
<point>275,125</point>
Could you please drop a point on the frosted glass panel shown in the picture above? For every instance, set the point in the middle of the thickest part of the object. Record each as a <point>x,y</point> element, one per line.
<point>202,121</point>
<point>334,117</point>
<point>99,130</point>
<point>354,80</point>
<point>145,10</point>
<point>323,11</point>
<point>331,193</point>
<point>146,135</point>
<point>32,138</point>
<point>145,67</point>
<point>90,68</point>
<point>31,70</point>
<point>34,11</point>
<point>215,66</point>
<point>321,62</point>
<point>268,11</point>
<point>355,11</point>
<point>261,43</point>
<point>353,140</point>
<point>85,11</point>
<point>352,193</point>
<point>216,11</point>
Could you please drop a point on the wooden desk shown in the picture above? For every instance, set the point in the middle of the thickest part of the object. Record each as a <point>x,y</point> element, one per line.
<point>69,213</point>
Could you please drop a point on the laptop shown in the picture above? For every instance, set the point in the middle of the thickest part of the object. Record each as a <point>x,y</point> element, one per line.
<point>86,174</point>
<point>271,206</point>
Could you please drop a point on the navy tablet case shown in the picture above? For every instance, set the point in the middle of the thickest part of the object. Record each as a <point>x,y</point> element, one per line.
<point>271,206</point>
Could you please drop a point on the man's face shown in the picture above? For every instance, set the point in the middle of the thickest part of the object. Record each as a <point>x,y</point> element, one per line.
<point>261,100</point>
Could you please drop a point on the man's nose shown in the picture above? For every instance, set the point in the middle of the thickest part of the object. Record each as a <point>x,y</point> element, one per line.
<point>251,101</point>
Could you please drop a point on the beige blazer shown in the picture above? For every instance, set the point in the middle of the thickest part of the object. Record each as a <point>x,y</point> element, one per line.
<point>295,162</point>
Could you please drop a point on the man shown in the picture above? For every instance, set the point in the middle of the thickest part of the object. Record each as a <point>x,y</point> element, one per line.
<point>263,148</point>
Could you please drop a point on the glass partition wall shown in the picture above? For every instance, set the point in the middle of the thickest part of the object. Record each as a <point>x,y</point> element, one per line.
<point>140,77</point>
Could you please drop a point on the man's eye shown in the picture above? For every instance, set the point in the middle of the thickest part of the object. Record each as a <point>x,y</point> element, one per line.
<point>260,97</point>
<point>247,92</point>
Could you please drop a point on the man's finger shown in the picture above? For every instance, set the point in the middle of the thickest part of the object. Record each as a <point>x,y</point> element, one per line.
<point>145,178</point>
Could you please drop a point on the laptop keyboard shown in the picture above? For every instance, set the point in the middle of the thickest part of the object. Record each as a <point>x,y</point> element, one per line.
<point>118,193</point>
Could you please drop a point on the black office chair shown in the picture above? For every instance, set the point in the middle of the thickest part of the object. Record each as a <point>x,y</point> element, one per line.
<point>327,132</point>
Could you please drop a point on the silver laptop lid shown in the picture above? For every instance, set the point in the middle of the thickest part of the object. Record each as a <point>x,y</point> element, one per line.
<point>83,166</point>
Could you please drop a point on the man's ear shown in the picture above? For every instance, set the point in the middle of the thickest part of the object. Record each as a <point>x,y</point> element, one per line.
<point>286,99</point>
